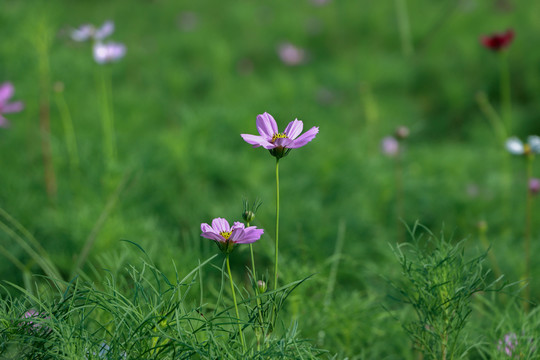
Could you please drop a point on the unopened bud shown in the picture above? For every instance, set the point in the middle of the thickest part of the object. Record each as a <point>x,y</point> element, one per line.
<point>248,216</point>
<point>402,132</point>
<point>261,286</point>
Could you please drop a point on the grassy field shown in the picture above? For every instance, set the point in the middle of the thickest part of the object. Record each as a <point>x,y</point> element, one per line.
<point>196,75</point>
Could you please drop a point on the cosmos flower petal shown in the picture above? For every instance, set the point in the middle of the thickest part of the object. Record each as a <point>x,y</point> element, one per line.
<point>105,30</point>
<point>206,228</point>
<point>213,236</point>
<point>250,235</point>
<point>238,225</point>
<point>256,140</point>
<point>220,225</point>
<point>534,143</point>
<point>294,129</point>
<point>6,91</point>
<point>515,146</point>
<point>266,125</point>
<point>12,107</point>
<point>304,138</point>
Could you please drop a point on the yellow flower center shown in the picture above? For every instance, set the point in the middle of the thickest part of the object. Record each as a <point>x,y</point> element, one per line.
<point>226,234</point>
<point>527,149</point>
<point>279,136</point>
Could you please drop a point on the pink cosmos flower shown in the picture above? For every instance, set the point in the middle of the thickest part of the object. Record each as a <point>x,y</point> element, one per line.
<point>87,31</point>
<point>35,326</point>
<point>534,185</point>
<point>278,143</point>
<point>498,41</point>
<point>108,52</point>
<point>226,236</point>
<point>6,92</point>
<point>509,344</point>
<point>390,146</point>
<point>291,55</point>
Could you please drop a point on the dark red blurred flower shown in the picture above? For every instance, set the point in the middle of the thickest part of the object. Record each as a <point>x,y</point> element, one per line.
<point>498,41</point>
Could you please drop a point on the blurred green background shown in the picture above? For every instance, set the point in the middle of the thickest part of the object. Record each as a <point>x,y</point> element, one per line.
<point>195,76</point>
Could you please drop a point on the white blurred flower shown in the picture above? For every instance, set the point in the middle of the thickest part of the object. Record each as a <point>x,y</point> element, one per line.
<point>88,31</point>
<point>291,55</point>
<point>516,147</point>
<point>108,52</point>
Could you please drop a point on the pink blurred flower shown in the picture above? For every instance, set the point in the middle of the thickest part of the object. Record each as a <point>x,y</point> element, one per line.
<point>6,92</point>
<point>509,344</point>
<point>320,2</point>
<point>226,236</point>
<point>278,143</point>
<point>498,41</point>
<point>88,31</point>
<point>108,52</point>
<point>534,185</point>
<point>390,146</point>
<point>35,326</point>
<point>291,55</point>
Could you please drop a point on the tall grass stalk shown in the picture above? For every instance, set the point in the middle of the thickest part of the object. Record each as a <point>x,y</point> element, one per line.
<point>107,210</point>
<point>506,103</point>
<point>41,39</point>
<point>107,116</point>
<point>67,122</point>
<point>340,240</point>
<point>404,27</point>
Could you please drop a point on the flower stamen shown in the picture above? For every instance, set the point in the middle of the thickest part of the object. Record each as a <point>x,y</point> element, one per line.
<point>226,234</point>
<point>279,136</point>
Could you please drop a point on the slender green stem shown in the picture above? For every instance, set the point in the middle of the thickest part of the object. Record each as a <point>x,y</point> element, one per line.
<point>527,241</point>
<point>109,142</point>
<point>506,104</point>
<point>69,132</point>
<point>235,305</point>
<point>277,225</point>
<point>404,27</point>
<point>259,305</point>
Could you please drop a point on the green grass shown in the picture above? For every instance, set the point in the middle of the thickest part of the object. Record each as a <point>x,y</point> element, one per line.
<point>181,101</point>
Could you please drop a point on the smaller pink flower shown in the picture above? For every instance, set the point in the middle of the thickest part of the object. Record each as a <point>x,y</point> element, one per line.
<point>108,52</point>
<point>226,236</point>
<point>534,186</point>
<point>6,92</point>
<point>291,55</point>
<point>390,146</point>
<point>509,344</point>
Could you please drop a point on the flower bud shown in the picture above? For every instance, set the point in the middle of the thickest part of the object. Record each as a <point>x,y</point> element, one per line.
<point>248,216</point>
<point>482,226</point>
<point>402,132</point>
<point>261,286</point>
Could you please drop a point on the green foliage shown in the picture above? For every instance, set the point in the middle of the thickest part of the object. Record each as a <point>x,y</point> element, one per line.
<point>439,284</point>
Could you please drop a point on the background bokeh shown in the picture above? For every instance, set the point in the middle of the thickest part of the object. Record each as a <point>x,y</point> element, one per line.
<point>195,76</point>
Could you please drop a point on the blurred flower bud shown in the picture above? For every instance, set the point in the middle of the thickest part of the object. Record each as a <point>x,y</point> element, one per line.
<point>402,132</point>
<point>534,185</point>
<point>261,286</point>
<point>482,226</point>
